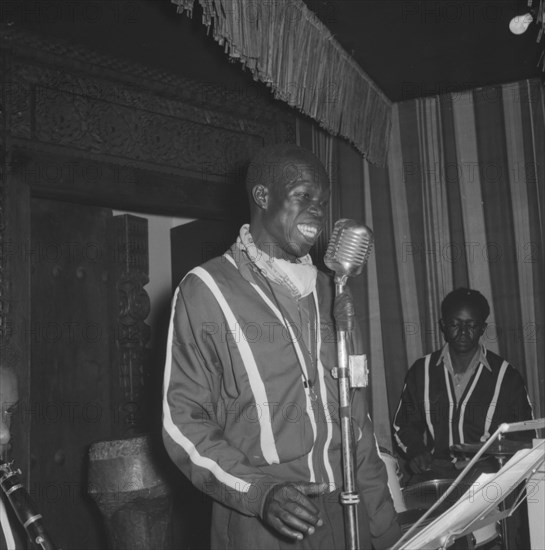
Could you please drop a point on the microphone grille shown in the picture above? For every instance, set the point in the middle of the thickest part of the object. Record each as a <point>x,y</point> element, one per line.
<point>349,247</point>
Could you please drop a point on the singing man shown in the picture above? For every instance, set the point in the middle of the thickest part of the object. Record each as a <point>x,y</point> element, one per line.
<point>250,409</point>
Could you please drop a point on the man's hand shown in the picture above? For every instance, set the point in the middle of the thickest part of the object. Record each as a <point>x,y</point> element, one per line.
<point>343,311</point>
<point>288,510</point>
<point>421,463</point>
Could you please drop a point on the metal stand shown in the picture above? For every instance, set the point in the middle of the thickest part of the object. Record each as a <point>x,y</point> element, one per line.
<point>504,527</point>
<point>349,496</point>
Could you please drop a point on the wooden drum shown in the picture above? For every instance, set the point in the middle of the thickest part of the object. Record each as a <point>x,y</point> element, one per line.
<point>131,494</point>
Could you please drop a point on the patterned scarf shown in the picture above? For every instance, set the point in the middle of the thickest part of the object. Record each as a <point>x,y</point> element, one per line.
<point>299,278</point>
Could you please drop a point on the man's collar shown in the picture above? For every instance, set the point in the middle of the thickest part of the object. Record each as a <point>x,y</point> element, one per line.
<point>299,278</point>
<point>445,356</point>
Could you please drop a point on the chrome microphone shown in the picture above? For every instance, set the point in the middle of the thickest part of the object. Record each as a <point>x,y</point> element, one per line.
<point>349,248</point>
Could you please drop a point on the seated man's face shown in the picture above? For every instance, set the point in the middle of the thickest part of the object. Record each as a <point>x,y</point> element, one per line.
<point>8,401</point>
<point>295,210</point>
<point>462,328</point>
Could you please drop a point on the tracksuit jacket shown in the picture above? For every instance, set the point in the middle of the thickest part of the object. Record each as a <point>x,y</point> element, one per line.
<point>237,417</point>
<point>429,418</point>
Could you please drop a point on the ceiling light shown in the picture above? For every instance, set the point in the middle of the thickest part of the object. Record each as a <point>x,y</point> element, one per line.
<point>520,23</point>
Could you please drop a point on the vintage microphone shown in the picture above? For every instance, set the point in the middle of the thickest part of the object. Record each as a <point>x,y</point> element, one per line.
<point>347,252</point>
<point>24,507</point>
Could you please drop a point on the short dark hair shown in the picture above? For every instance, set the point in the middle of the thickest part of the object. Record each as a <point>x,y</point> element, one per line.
<point>465,297</point>
<point>269,164</point>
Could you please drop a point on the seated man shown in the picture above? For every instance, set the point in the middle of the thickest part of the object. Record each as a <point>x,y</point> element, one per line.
<point>250,411</point>
<point>458,394</point>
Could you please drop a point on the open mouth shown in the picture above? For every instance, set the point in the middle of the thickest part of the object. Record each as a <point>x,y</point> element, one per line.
<point>310,232</point>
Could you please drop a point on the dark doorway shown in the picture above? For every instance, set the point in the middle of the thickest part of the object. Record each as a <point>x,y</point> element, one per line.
<point>70,337</point>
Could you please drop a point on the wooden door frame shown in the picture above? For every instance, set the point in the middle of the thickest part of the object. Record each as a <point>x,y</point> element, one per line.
<point>188,198</point>
<point>38,161</point>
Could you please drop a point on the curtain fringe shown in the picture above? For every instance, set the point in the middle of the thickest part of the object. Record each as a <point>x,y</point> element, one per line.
<point>288,48</point>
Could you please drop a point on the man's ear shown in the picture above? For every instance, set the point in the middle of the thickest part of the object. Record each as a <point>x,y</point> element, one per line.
<point>260,194</point>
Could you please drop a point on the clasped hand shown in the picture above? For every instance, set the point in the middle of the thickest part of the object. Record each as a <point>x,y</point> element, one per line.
<point>343,311</point>
<point>289,510</point>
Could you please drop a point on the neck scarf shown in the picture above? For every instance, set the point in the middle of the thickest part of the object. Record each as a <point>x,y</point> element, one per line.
<point>299,278</point>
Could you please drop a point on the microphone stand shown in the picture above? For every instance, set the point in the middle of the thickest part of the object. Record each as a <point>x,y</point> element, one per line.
<point>348,249</point>
<point>349,496</point>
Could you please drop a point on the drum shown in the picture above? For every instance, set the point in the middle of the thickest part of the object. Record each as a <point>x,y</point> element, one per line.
<point>421,497</point>
<point>129,489</point>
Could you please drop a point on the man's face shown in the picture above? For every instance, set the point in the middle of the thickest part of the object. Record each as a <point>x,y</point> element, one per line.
<point>462,328</point>
<point>8,400</point>
<point>294,210</point>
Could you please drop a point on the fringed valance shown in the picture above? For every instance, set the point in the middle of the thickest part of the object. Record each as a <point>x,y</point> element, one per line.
<point>288,48</point>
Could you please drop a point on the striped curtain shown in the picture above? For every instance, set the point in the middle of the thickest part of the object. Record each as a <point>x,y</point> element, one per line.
<point>460,203</point>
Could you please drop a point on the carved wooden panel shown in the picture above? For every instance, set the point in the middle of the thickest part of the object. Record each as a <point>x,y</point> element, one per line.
<point>131,268</point>
<point>73,99</point>
<point>127,132</point>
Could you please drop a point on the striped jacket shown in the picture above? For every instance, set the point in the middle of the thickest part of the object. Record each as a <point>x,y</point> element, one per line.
<point>237,417</point>
<point>429,418</point>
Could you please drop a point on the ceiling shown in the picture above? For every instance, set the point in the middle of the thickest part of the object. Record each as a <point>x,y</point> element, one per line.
<point>410,48</point>
<point>413,48</point>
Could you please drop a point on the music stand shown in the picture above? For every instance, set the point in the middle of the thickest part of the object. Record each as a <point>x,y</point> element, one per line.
<point>481,511</point>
